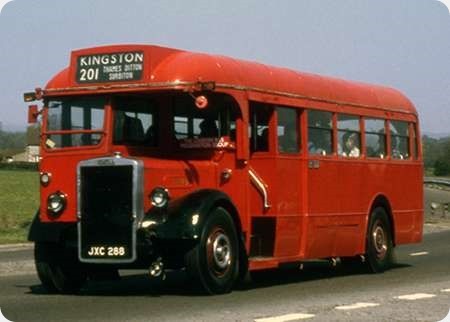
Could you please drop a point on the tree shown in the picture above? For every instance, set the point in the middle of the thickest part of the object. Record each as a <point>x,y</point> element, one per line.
<point>442,163</point>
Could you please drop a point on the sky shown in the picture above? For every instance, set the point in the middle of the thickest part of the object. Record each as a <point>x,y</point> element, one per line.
<point>403,44</point>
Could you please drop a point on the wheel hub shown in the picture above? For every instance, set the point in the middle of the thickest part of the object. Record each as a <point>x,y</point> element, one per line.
<point>379,240</point>
<point>219,252</point>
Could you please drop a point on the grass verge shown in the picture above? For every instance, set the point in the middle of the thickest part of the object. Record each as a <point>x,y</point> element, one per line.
<point>19,199</point>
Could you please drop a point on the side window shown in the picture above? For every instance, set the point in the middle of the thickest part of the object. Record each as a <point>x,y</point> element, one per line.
<point>349,136</point>
<point>134,122</point>
<point>414,141</point>
<point>260,115</point>
<point>287,130</point>
<point>399,140</point>
<point>320,132</point>
<point>375,138</point>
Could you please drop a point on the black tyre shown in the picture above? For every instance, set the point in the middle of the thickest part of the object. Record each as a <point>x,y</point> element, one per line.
<point>58,270</point>
<point>379,244</point>
<point>214,262</point>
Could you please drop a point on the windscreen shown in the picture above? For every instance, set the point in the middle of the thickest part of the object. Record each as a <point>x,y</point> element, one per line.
<point>83,117</point>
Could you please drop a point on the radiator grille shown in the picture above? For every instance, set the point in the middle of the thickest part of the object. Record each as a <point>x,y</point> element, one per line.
<point>106,225</point>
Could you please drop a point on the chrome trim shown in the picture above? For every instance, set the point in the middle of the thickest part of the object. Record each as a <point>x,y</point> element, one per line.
<point>138,201</point>
<point>260,186</point>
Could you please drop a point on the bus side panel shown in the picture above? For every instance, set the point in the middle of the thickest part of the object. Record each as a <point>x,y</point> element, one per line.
<point>351,187</point>
<point>322,205</point>
<point>406,197</point>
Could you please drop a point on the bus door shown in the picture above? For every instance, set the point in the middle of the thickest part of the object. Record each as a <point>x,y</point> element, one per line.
<point>274,178</point>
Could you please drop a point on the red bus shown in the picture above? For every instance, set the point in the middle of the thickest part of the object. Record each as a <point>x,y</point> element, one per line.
<point>166,159</point>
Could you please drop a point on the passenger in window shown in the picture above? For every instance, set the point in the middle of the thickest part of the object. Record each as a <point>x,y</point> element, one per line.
<point>288,143</point>
<point>319,142</point>
<point>381,145</point>
<point>208,129</point>
<point>351,145</point>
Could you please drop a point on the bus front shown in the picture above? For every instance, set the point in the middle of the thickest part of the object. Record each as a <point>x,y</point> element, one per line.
<point>132,169</point>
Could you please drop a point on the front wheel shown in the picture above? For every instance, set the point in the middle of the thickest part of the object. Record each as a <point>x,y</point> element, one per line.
<point>58,269</point>
<point>214,261</point>
<point>380,248</point>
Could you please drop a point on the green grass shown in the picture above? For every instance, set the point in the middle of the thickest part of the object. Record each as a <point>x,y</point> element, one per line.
<point>19,200</point>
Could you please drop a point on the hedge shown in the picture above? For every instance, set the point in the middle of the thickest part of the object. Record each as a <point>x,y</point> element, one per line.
<point>19,166</point>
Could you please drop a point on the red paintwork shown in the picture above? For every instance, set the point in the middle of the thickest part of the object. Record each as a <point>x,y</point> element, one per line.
<point>320,212</point>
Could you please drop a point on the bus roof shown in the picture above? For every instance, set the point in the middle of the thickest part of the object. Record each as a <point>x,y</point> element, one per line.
<point>149,66</point>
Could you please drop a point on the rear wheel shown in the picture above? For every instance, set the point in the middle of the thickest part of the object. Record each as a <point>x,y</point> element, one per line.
<point>213,262</point>
<point>380,248</point>
<point>58,269</point>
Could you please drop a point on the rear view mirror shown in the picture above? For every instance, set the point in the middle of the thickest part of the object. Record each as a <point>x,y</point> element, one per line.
<point>33,114</point>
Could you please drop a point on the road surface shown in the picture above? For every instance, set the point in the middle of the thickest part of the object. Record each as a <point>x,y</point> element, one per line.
<point>416,289</point>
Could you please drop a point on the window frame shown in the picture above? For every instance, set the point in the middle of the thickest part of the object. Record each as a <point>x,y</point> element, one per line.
<point>330,129</point>
<point>384,155</point>
<point>401,138</point>
<point>357,118</point>
<point>298,130</point>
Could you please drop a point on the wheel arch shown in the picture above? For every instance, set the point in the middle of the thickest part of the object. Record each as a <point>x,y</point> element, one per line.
<point>48,232</point>
<point>180,213</point>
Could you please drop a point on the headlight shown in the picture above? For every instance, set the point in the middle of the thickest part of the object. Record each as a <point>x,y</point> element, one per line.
<point>45,178</point>
<point>56,203</point>
<point>159,197</point>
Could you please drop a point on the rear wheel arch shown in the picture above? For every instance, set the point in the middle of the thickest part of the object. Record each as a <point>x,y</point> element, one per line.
<point>383,202</point>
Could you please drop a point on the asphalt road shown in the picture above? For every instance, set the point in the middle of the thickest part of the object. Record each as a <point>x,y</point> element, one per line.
<point>318,292</point>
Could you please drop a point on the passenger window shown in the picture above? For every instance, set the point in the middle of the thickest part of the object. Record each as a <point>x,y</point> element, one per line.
<point>375,138</point>
<point>287,130</point>
<point>320,132</point>
<point>399,140</point>
<point>260,115</point>
<point>134,122</point>
<point>414,142</point>
<point>349,136</point>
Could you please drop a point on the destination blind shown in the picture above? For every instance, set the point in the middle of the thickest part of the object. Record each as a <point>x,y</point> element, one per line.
<point>113,67</point>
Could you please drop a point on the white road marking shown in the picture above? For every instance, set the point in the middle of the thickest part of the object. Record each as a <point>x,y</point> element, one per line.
<point>3,318</point>
<point>286,317</point>
<point>446,290</point>
<point>355,306</point>
<point>416,296</point>
<point>419,254</point>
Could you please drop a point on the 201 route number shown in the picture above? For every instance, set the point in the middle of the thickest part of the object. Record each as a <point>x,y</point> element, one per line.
<point>90,74</point>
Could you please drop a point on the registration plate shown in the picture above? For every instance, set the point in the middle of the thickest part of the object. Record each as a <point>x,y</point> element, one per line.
<point>106,251</point>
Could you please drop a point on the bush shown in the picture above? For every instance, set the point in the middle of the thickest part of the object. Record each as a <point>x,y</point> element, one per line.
<point>442,167</point>
<point>19,166</point>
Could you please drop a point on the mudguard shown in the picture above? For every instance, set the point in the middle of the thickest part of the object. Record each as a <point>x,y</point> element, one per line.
<point>184,217</point>
<point>46,232</point>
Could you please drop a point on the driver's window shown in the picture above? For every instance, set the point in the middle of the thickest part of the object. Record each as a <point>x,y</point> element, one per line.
<point>214,121</point>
